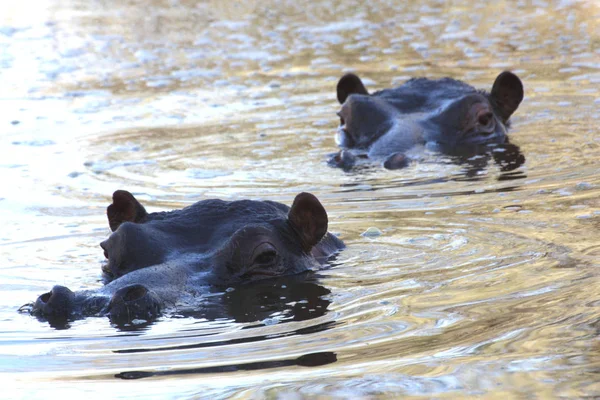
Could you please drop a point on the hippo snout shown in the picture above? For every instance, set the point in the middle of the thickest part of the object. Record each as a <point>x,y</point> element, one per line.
<point>57,303</point>
<point>133,302</point>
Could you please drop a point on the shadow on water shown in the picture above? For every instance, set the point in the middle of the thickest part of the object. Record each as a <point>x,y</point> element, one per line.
<point>274,301</point>
<point>507,157</point>
<point>293,298</point>
<point>286,299</point>
<point>307,360</point>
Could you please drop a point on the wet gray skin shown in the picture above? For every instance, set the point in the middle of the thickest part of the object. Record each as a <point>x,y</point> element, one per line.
<point>156,258</point>
<point>444,115</point>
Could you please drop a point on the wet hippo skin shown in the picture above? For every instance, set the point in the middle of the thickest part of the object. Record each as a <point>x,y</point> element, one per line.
<point>445,115</point>
<point>156,260</point>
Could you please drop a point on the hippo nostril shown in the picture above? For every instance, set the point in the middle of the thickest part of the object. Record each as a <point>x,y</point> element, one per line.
<point>343,159</point>
<point>133,302</point>
<point>56,303</point>
<point>134,293</point>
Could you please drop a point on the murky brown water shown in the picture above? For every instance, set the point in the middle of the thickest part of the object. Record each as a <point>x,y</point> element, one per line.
<point>483,282</point>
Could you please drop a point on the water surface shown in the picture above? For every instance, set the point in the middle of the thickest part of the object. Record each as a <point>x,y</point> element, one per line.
<point>484,281</point>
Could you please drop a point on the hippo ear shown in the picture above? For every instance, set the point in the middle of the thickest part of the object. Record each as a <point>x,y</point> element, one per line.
<point>309,219</point>
<point>349,84</point>
<point>507,94</point>
<point>124,208</point>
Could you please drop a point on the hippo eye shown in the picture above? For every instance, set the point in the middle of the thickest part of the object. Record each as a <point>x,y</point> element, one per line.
<point>264,254</point>
<point>485,119</point>
<point>268,257</point>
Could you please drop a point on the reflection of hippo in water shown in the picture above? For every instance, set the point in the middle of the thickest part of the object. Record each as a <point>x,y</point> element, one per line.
<point>445,115</point>
<point>167,258</point>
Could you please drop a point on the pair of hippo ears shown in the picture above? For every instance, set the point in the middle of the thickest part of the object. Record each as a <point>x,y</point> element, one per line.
<point>506,95</point>
<point>307,215</point>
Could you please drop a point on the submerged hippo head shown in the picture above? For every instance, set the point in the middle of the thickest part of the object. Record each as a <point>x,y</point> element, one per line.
<point>155,258</point>
<point>243,240</point>
<point>445,114</point>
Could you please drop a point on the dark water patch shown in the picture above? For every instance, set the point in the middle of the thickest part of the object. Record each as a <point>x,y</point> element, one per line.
<point>307,360</point>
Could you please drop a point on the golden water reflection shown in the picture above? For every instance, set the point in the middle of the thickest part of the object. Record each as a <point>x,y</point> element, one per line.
<point>485,285</point>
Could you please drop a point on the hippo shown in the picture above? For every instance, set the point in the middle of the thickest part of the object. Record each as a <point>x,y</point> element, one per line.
<point>443,115</point>
<point>166,259</point>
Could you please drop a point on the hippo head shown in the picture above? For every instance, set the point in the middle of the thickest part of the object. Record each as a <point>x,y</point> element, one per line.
<point>446,114</point>
<point>155,258</point>
<point>237,241</point>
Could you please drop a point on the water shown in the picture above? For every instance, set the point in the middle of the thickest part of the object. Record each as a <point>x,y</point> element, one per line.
<point>483,282</point>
